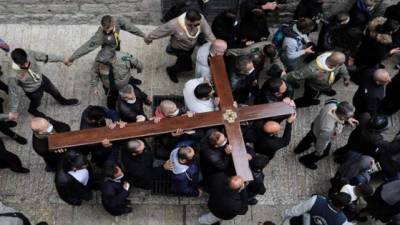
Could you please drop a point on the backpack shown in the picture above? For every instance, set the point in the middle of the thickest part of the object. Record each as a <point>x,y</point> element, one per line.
<point>279,36</point>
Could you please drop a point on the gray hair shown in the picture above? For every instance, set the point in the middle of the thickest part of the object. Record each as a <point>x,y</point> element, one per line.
<point>127,89</point>
<point>345,109</point>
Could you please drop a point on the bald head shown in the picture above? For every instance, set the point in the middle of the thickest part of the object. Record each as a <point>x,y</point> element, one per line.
<point>382,77</point>
<point>336,59</point>
<point>271,127</point>
<point>218,47</point>
<point>236,183</point>
<point>39,125</point>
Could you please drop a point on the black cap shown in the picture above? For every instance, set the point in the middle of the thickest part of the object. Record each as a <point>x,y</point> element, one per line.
<point>379,122</point>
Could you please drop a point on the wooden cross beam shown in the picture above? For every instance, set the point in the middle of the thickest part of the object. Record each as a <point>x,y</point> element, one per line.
<point>229,116</point>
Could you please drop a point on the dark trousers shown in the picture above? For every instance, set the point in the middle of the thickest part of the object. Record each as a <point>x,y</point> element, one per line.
<point>309,95</point>
<point>36,96</point>
<point>9,159</point>
<point>184,61</point>
<point>3,125</point>
<point>3,87</point>
<point>305,144</point>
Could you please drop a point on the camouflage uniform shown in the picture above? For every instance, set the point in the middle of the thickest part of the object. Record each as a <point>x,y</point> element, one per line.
<point>122,73</point>
<point>33,82</point>
<point>112,40</point>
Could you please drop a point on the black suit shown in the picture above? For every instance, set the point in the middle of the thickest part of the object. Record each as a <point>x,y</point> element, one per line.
<point>223,202</point>
<point>214,160</point>
<point>41,146</point>
<point>369,95</point>
<point>138,169</point>
<point>129,112</point>
<point>114,197</point>
<point>70,190</point>
<point>268,144</point>
<point>362,139</point>
<point>391,103</point>
<point>9,159</point>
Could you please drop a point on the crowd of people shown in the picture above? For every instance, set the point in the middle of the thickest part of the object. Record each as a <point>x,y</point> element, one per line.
<point>351,46</point>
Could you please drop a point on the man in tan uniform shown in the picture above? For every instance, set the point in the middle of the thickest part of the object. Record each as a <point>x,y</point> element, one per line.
<point>184,31</point>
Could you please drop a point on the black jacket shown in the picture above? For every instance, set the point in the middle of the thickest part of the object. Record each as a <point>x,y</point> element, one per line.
<point>369,95</point>
<point>391,102</point>
<point>359,15</point>
<point>70,190</point>
<point>364,140</point>
<point>214,160</point>
<point>138,169</point>
<point>268,144</point>
<point>223,27</point>
<point>266,96</point>
<point>128,112</point>
<point>385,203</point>
<point>309,9</point>
<point>113,197</point>
<point>41,146</point>
<point>223,202</point>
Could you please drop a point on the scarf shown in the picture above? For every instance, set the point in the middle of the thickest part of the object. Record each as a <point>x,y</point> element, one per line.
<point>178,167</point>
<point>321,64</point>
<point>181,24</point>
<point>34,75</point>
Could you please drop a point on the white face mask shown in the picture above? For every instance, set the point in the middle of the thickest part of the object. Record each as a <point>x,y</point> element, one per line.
<point>50,128</point>
<point>225,142</point>
<point>119,178</point>
<point>131,101</point>
<point>251,71</point>
<point>175,113</point>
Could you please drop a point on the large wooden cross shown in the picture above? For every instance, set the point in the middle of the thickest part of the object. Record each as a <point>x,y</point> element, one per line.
<point>229,116</point>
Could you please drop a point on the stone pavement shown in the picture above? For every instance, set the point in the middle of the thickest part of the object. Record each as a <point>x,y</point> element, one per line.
<point>286,180</point>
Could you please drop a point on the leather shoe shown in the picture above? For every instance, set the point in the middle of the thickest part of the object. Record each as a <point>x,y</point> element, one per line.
<point>172,75</point>
<point>252,201</point>
<point>306,163</point>
<point>136,81</point>
<point>329,92</point>
<point>20,140</point>
<point>71,102</point>
<point>22,170</point>
<point>11,124</point>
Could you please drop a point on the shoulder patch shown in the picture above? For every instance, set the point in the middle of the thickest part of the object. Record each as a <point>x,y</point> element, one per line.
<point>126,58</point>
<point>92,44</point>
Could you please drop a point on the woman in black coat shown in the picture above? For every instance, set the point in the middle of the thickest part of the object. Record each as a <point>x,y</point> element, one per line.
<point>73,188</point>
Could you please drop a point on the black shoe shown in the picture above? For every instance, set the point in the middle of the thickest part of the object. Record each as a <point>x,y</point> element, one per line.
<point>329,92</point>
<point>171,75</point>
<point>11,124</point>
<point>314,102</point>
<point>306,163</point>
<point>361,218</point>
<point>71,102</point>
<point>136,81</point>
<point>20,140</point>
<point>252,201</point>
<point>127,210</point>
<point>22,170</point>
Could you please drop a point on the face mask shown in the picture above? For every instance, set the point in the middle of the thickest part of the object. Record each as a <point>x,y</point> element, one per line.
<point>174,113</point>
<point>251,71</point>
<point>131,101</point>
<point>119,178</point>
<point>50,128</point>
<point>225,142</point>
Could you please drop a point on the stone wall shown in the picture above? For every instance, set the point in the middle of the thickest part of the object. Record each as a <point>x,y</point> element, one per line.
<point>78,11</point>
<point>139,11</point>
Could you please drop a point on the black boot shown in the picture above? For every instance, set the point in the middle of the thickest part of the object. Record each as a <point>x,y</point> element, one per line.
<point>72,101</point>
<point>309,161</point>
<point>19,139</point>
<point>172,74</point>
